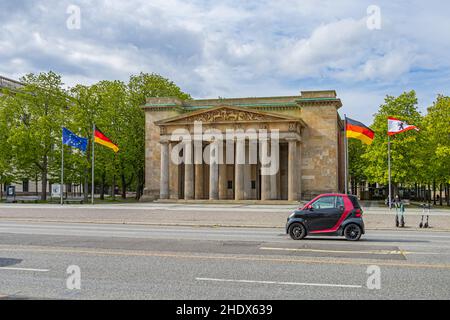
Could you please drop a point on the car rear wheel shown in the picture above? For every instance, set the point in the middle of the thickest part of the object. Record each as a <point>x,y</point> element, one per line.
<point>297,231</point>
<point>352,232</point>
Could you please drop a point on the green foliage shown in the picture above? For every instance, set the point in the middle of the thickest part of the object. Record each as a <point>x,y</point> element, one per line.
<point>32,117</point>
<point>35,114</point>
<point>356,163</point>
<point>437,144</point>
<point>406,158</point>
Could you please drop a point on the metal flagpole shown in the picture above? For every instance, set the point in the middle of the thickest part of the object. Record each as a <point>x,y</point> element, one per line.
<point>346,154</point>
<point>93,155</point>
<point>389,170</point>
<point>62,167</point>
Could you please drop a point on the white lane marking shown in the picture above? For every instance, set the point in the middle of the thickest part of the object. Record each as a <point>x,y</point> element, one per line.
<point>347,251</point>
<point>282,283</point>
<point>24,269</point>
<point>335,251</point>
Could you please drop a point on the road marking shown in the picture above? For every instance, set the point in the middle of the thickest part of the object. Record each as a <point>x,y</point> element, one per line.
<point>282,283</point>
<point>335,251</point>
<point>34,249</point>
<point>24,269</point>
<point>383,252</point>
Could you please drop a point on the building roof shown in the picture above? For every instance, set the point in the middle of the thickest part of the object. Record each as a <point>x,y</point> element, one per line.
<point>268,103</point>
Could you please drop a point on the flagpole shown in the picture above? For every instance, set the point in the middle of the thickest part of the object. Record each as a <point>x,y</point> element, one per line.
<point>389,170</point>
<point>345,155</point>
<point>62,167</point>
<point>93,155</point>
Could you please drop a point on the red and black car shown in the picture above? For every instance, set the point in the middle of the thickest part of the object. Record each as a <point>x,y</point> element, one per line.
<point>329,214</point>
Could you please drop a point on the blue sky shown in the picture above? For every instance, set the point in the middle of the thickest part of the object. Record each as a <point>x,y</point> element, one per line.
<point>238,48</point>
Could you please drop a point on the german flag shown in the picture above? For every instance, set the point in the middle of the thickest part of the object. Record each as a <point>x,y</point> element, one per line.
<point>357,130</point>
<point>100,138</point>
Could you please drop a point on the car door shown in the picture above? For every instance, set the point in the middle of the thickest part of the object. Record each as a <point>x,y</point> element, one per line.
<point>334,215</point>
<point>322,213</point>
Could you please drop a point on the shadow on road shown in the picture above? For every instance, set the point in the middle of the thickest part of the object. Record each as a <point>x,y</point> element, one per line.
<point>6,262</point>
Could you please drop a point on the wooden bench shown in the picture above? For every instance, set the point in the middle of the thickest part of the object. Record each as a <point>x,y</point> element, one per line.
<point>74,200</point>
<point>67,201</point>
<point>26,199</point>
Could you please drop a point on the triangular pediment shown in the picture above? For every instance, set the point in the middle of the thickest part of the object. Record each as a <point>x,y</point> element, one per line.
<point>226,114</point>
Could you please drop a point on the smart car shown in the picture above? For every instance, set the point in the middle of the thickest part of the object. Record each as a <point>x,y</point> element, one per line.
<point>329,214</point>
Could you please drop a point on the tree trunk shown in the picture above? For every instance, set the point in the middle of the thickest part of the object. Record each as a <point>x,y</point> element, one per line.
<point>448,195</point>
<point>113,190</point>
<point>44,180</point>
<point>140,184</point>
<point>434,192</point>
<point>86,186</point>
<point>124,186</point>
<point>440,194</point>
<point>102,191</point>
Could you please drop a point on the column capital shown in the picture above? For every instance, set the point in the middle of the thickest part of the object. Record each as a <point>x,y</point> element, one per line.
<point>164,141</point>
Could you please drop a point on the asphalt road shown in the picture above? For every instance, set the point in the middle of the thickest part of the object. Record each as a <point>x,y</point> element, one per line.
<point>147,262</point>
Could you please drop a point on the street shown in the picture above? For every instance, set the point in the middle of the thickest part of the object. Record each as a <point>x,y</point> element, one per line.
<point>125,261</point>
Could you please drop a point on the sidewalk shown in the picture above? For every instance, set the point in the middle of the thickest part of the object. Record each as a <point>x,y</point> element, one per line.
<point>224,215</point>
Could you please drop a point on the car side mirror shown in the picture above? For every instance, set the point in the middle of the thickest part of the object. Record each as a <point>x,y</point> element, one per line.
<point>309,207</point>
<point>341,208</point>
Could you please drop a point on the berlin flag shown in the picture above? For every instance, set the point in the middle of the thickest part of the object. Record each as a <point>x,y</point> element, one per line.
<point>397,126</point>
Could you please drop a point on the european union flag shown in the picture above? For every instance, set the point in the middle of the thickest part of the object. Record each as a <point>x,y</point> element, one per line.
<point>71,139</point>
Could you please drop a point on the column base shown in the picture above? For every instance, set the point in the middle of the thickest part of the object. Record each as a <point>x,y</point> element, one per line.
<point>149,195</point>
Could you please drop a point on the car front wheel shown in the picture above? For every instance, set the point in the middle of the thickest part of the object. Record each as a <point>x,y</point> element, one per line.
<point>352,232</point>
<point>297,231</point>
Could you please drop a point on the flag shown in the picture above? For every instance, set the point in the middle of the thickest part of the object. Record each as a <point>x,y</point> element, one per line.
<point>71,139</point>
<point>357,130</point>
<point>397,126</point>
<point>100,138</point>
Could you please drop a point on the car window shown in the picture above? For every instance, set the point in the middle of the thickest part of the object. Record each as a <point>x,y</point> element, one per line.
<point>324,203</point>
<point>339,202</point>
<point>355,202</point>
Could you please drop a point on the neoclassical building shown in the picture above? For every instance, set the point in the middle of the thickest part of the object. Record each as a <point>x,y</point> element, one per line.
<point>309,154</point>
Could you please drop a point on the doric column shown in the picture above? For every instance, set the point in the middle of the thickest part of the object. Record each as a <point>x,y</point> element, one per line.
<point>199,181</point>
<point>265,178</point>
<point>239,170</point>
<point>223,183</point>
<point>188,171</point>
<point>274,153</point>
<point>213,171</point>
<point>247,174</point>
<point>164,192</point>
<point>292,164</point>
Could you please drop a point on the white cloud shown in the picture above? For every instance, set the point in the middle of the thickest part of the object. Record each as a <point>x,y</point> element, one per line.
<point>232,48</point>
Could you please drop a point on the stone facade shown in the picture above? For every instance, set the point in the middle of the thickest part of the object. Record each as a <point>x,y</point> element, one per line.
<point>310,153</point>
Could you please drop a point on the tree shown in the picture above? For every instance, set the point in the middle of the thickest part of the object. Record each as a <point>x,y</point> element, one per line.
<point>36,111</point>
<point>81,117</point>
<point>406,159</point>
<point>437,144</point>
<point>141,87</point>
<point>356,163</point>
<point>6,170</point>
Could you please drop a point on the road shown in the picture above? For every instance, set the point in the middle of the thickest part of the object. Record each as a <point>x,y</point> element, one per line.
<point>156,262</point>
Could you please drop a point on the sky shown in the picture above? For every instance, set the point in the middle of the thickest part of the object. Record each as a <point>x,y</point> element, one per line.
<point>364,50</point>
